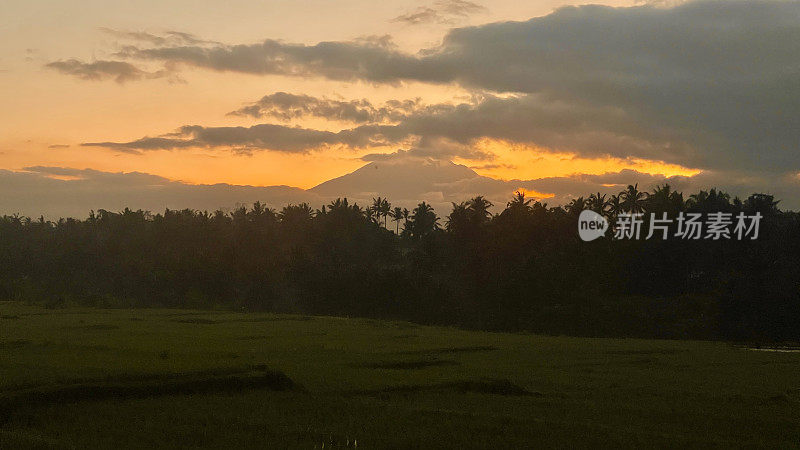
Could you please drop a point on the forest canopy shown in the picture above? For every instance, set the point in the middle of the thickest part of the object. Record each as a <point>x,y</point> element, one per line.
<point>522,269</point>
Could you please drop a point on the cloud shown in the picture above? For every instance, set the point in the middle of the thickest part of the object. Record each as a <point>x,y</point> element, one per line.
<point>446,12</point>
<point>119,71</point>
<point>286,106</point>
<point>67,192</point>
<point>712,84</point>
<point>167,38</point>
<point>493,166</point>
<point>56,146</point>
<point>441,130</point>
<point>433,148</point>
<point>346,60</point>
<point>272,137</point>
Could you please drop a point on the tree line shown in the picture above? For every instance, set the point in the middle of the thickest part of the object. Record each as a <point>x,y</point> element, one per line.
<point>522,269</point>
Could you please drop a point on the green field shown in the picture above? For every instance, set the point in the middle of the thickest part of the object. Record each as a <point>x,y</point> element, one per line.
<point>88,378</point>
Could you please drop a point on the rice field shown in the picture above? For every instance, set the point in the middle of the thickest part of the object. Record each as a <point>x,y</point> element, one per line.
<point>147,378</point>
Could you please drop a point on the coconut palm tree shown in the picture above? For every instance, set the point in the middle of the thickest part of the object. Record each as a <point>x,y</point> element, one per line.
<point>615,206</point>
<point>458,219</point>
<point>478,208</point>
<point>397,215</point>
<point>762,203</point>
<point>710,201</point>
<point>664,200</point>
<point>370,214</point>
<point>519,202</point>
<point>633,200</point>
<point>386,209</point>
<point>376,208</point>
<point>575,206</point>
<point>381,208</point>
<point>423,221</point>
<point>296,214</point>
<point>597,203</point>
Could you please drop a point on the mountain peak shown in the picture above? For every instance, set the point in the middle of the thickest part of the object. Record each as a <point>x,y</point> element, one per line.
<point>407,178</point>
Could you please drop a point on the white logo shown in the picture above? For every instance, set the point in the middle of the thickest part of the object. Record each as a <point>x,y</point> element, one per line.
<point>591,225</point>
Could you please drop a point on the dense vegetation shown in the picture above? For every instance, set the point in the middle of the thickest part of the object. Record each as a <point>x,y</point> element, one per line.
<point>522,269</point>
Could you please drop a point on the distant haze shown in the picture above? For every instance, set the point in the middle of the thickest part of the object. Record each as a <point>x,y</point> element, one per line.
<point>57,192</point>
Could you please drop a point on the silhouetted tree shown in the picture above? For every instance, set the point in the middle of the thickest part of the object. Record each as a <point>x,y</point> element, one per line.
<point>523,268</point>
<point>633,200</point>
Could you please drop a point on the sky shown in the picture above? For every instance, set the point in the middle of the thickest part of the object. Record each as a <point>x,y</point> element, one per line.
<point>546,94</point>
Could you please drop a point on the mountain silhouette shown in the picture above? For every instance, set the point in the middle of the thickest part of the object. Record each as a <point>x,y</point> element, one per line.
<point>404,179</point>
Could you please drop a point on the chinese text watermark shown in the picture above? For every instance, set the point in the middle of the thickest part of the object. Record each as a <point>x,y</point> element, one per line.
<point>689,226</point>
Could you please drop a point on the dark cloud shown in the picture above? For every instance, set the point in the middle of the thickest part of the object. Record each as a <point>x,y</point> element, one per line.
<point>286,106</point>
<point>145,143</point>
<point>446,12</point>
<point>440,131</point>
<point>119,71</point>
<point>54,146</point>
<point>370,59</point>
<point>721,75</point>
<point>259,137</point>
<point>433,148</point>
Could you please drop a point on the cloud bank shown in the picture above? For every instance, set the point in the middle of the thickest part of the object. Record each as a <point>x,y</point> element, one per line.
<point>66,192</point>
<point>710,84</point>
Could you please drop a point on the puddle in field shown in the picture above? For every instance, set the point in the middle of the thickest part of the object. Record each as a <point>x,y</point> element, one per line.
<point>774,349</point>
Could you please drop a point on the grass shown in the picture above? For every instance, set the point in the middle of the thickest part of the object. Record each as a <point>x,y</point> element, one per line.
<point>88,378</point>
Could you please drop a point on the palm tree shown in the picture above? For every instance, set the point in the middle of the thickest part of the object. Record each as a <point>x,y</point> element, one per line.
<point>664,200</point>
<point>597,203</point>
<point>762,203</point>
<point>381,208</point>
<point>539,208</point>
<point>341,207</point>
<point>296,214</point>
<point>386,209</point>
<point>711,201</point>
<point>576,206</point>
<point>375,209</point>
<point>518,202</point>
<point>633,199</point>
<point>518,208</point>
<point>458,218</point>
<point>423,220</point>
<point>615,206</point>
<point>370,214</point>
<point>479,209</point>
<point>397,216</point>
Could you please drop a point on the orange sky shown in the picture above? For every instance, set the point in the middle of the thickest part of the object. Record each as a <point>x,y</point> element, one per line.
<point>47,114</point>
